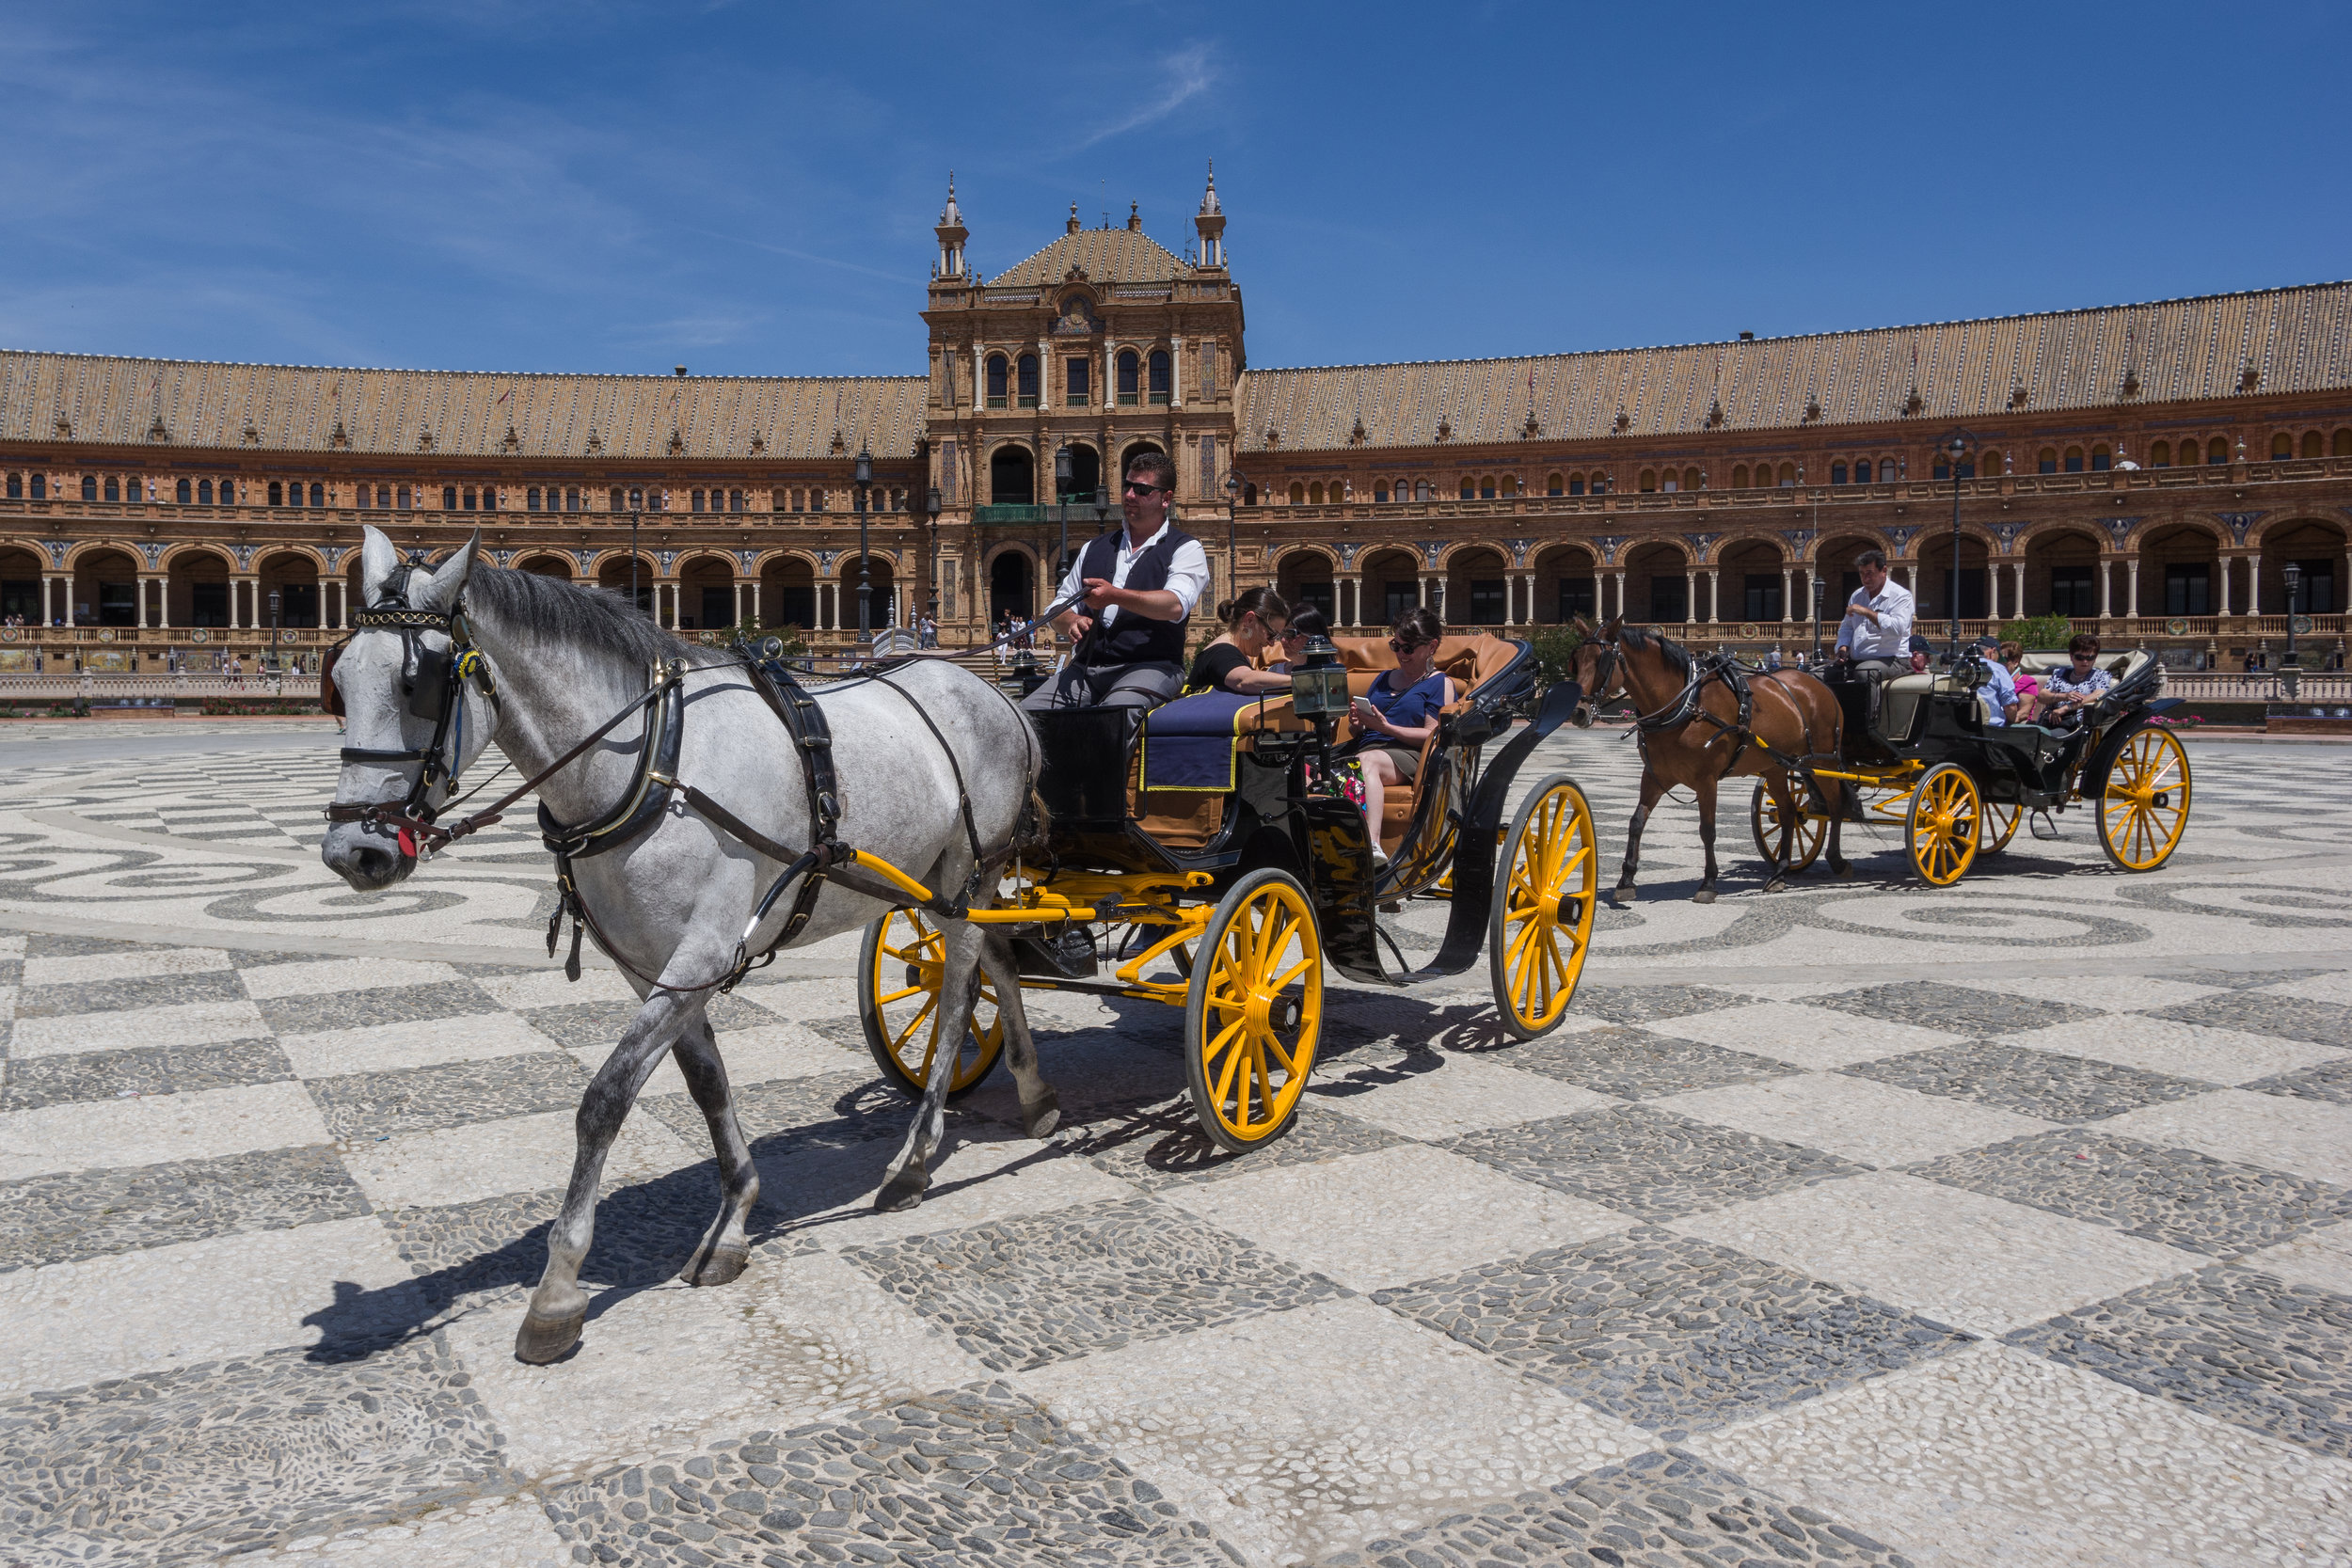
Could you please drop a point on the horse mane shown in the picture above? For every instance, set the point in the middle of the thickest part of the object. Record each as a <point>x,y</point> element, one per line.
<point>1678,658</point>
<point>596,620</point>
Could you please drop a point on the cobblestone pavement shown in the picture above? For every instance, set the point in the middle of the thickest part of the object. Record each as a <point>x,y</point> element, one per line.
<point>1853,1225</point>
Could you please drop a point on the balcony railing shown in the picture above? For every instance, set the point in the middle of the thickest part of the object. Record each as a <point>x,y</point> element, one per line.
<point>1007,513</point>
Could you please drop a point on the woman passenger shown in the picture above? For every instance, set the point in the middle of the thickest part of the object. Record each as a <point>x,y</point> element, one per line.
<point>1253,620</point>
<point>1400,713</point>
<point>1306,621</point>
<point>2028,686</point>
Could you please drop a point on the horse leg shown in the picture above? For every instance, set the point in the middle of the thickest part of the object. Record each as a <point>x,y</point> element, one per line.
<point>559,1306</point>
<point>906,1178</point>
<point>724,1248</point>
<point>1783,800</point>
<point>1651,790</point>
<point>1839,867</point>
<point>1041,1108</point>
<point>1705,790</point>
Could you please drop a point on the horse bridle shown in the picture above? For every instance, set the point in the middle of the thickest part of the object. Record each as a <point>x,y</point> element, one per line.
<point>435,682</point>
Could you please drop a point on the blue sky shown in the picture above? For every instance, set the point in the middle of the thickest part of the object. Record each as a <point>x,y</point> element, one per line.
<point>500,184</point>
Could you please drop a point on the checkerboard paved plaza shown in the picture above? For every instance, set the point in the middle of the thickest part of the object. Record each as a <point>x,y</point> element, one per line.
<point>2011,1223</point>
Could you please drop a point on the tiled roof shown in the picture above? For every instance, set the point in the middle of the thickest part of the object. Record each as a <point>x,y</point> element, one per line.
<point>2299,339</point>
<point>1107,255</point>
<point>298,408</point>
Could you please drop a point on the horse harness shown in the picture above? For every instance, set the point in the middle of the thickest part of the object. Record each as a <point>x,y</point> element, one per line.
<point>1686,707</point>
<point>434,681</point>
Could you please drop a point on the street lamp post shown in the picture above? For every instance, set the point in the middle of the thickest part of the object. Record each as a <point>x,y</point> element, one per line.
<point>1957,446</point>
<point>930,505</point>
<point>2292,573</point>
<point>1820,592</point>
<point>1233,557</point>
<point>864,484</point>
<point>1062,475</point>
<point>634,602</point>
<point>274,598</point>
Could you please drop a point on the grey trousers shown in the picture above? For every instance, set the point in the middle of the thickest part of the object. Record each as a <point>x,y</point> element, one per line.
<point>1107,686</point>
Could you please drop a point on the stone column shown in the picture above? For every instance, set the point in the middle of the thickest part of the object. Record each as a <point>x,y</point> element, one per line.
<point>2132,589</point>
<point>980,378</point>
<point>1690,595</point>
<point>1175,373</point>
<point>2221,570</point>
<point>1991,589</point>
<point>2254,584</point>
<point>1351,591</point>
<point>162,604</point>
<point>1110,388</point>
<point>1620,595</point>
<point>2107,590</point>
<point>1714,595</point>
<point>1787,605</point>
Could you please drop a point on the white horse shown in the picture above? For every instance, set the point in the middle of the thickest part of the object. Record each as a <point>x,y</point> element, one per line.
<point>673,903</point>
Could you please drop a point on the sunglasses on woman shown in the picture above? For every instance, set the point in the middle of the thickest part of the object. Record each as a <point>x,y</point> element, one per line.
<point>1400,647</point>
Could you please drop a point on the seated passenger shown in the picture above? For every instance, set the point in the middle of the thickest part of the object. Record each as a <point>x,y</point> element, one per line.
<point>1140,583</point>
<point>2027,684</point>
<point>1253,622</point>
<point>2068,692</point>
<point>1400,713</point>
<point>1305,622</point>
<point>1998,689</point>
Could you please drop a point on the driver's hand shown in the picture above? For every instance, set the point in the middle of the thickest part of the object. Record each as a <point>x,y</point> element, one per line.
<point>1080,626</point>
<point>1099,590</point>
<point>1866,613</point>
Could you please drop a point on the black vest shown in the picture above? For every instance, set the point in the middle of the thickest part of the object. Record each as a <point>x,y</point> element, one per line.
<point>1133,638</point>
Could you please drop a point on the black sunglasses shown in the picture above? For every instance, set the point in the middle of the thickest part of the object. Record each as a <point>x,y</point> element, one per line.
<point>1135,486</point>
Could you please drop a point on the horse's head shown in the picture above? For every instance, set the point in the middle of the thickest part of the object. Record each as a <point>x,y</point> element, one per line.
<point>1597,667</point>
<point>409,726</point>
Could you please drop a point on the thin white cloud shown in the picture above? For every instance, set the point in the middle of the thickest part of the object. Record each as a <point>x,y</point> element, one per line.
<point>1189,74</point>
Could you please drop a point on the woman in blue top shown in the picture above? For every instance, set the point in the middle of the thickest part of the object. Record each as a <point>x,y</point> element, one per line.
<point>1400,713</point>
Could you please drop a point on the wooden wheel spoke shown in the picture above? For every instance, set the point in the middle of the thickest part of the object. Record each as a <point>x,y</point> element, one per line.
<point>901,995</point>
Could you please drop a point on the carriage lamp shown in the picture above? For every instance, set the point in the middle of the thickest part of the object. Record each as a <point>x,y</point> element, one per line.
<point>1319,683</point>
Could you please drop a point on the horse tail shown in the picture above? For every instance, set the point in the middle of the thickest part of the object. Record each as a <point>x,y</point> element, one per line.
<point>1035,827</point>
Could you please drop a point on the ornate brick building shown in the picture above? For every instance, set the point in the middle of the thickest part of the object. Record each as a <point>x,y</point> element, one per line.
<point>2149,469</point>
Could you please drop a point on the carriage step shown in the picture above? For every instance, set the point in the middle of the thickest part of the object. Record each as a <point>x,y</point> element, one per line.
<point>2039,821</point>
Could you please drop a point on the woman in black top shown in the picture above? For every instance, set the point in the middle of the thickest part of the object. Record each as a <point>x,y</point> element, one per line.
<point>1252,620</point>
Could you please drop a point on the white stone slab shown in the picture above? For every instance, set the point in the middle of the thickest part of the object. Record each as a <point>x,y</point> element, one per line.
<point>1814,1038</point>
<point>1879,1124</point>
<point>71,1324</point>
<point>175,1023</point>
<point>2117,993</point>
<point>2167,1045</point>
<point>2322,1259</point>
<point>1995,1459</point>
<point>794,1341</point>
<point>343,974</point>
<point>2309,1137</point>
<point>547,987</point>
<point>419,1043</point>
<point>2317,988</point>
<point>751,1056</point>
<point>489,1533</point>
<point>147,1130</point>
<point>1395,1216</point>
<point>83,968</point>
<point>827,1194</point>
<point>1434,1095</point>
<point>1977,1263</point>
<point>1347,1422</point>
<point>521,1154</point>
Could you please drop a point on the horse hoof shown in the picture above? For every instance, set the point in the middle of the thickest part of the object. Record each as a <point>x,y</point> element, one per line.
<point>541,1341</point>
<point>1038,1121</point>
<point>1704,895</point>
<point>723,1266</point>
<point>1843,872</point>
<point>1625,896</point>
<point>1777,885</point>
<point>902,1191</point>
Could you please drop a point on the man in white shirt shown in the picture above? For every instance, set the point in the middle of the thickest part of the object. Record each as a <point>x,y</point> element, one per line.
<point>1876,632</point>
<point>1141,585</point>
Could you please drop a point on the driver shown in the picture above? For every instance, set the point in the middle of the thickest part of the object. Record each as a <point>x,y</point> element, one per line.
<point>1876,632</point>
<point>1141,582</point>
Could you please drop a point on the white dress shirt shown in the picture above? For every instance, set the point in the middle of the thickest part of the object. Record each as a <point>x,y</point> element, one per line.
<point>1891,636</point>
<point>1188,574</point>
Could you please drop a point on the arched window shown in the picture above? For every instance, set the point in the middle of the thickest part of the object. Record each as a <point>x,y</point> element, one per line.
<point>1380,491</point>
<point>204,491</point>
<point>89,488</point>
<point>1249,495</point>
<point>1510,485</point>
<point>1670,481</point>
<point>1161,367</point>
<point>16,487</point>
<point>2342,442</point>
<point>738,501</point>
<point>1029,381</point>
<point>1299,493</point>
<point>572,502</point>
<point>1740,476</point>
<point>278,494</point>
<point>185,492</point>
<point>1694,480</point>
<point>618,501</point>
<point>1421,489</point>
<point>2074,461</point>
<point>695,502</point>
<point>2160,455</point>
<point>2281,446</point>
<point>1576,485</point>
<point>40,487</point>
<point>1862,470</point>
<point>1486,488</point>
<point>1788,476</point>
<point>1314,493</point>
<point>999,371</point>
<point>318,497</point>
<point>1130,376</point>
<point>2100,459</point>
<point>2312,447</point>
<point>1470,488</point>
<point>2217,450</point>
<point>2047,462</point>
<point>1837,473</point>
<point>1649,481</point>
<point>1555,485</point>
<point>114,488</point>
<point>531,497</point>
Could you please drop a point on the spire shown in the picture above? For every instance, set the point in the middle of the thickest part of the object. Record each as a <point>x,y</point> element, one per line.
<point>1210,222</point>
<point>1135,216</point>
<point>952,235</point>
<point>1072,227</point>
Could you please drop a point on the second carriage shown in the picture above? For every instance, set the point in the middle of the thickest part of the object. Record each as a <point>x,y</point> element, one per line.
<point>1202,857</point>
<point>1921,754</point>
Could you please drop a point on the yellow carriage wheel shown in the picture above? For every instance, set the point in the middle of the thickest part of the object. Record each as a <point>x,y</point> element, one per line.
<point>1547,890</point>
<point>899,967</point>
<point>1945,810</point>
<point>2143,804</point>
<point>1254,1010</point>
<point>1764,822</point>
<point>1997,826</point>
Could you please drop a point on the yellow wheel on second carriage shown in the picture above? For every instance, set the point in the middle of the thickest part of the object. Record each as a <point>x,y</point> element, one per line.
<point>900,966</point>
<point>1764,823</point>
<point>1997,826</point>
<point>1945,810</point>
<point>1254,1010</point>
<point>1546,892</point>
<point>2143,803</point>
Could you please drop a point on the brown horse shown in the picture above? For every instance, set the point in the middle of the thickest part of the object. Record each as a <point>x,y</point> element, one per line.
<point>1692,732</point>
